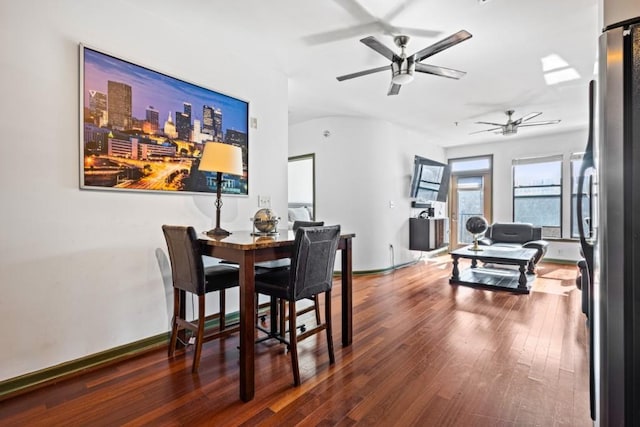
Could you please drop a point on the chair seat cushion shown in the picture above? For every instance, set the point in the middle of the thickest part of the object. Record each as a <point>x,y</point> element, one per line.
<point>220,277</point>
<point>273,283</point>
<point>283,263</point>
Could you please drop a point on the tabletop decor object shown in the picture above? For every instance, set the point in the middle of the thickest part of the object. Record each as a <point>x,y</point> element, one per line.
<point>476,225</point>
<point>221,158</point>
<point>265,221</point>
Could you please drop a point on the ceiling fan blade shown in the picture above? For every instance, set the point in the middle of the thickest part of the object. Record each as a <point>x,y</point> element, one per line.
<point>525,118</point>
<point>529,117</point>
<point>355,9</point>
<point>443,44</point>
<point>341,34</point>
<point>489,123</point>
<point>439,71</point>
<point>545,122</point>
<point>362,73</point>
<point>393,13</point>
<point>394,89</point>
<point>416,32</point>
<point>486,130</point>
<point>383,50</point>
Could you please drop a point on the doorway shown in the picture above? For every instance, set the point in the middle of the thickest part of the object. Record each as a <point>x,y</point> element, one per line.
<point>470,195</point>
<point>302,183</point>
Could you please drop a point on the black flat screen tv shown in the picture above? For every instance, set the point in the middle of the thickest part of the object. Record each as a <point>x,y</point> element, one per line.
<point>430,180</point>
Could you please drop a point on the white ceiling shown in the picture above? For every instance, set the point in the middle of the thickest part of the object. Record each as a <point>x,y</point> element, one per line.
<point>502,59</point>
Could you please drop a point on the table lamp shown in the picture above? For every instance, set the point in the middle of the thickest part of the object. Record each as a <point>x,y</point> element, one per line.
<point>220,158</point>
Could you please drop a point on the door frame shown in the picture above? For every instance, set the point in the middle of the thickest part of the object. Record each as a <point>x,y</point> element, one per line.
<point>301,157</point>
<point>487,185</point>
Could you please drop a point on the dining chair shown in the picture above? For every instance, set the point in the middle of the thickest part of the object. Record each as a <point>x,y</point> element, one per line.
<point>285,263</point>
<point>190,275</point>
<point>310,274</point>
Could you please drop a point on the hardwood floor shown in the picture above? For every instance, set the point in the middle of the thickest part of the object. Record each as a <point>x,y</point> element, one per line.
<point>424,353</point>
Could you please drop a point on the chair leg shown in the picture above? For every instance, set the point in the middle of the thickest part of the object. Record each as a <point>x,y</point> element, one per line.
<point>293,343</point>
<point>223,312</point>
<point>316,303</point>
<point>327,320</point>
<point>273,315</point>
<point>174,322</point>
<point>283,316</point>
<point>199,334</point>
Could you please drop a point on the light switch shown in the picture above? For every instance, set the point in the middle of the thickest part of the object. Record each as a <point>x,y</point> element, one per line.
<point>264,201</point>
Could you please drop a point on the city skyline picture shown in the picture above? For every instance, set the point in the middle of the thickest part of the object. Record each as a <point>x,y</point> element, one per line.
<point>145,130</point>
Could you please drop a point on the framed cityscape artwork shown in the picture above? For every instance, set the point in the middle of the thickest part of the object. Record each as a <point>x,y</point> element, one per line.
<point>144,130</point>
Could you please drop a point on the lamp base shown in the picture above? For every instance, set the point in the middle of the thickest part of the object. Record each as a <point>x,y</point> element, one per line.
<point>217,232</point>
<point>475,246</point>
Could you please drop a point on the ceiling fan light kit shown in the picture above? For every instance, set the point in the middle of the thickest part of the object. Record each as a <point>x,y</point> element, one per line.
<point>404,66</point>
<point>403,71</point>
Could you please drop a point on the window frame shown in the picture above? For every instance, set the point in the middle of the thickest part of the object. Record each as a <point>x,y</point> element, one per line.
<point>538,160</point>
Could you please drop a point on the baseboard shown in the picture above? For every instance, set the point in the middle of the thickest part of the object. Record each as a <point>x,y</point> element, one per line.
<point>559,261</point>
<point>51,375</point>
<point>34,380</point>
<point>384,270</point>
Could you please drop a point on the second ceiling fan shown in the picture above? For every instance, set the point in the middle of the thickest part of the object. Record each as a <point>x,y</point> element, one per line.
<point>511,126</point>
<point>403,65</point>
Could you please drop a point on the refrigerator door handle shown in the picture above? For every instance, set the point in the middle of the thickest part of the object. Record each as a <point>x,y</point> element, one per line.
<point>587,164</point>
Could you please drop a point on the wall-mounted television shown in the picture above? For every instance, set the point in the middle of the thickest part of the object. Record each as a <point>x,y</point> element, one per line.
<point>430,180</point>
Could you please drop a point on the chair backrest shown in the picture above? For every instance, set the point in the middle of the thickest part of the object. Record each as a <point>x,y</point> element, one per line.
<point>187,269</point>
<point>298,223</point>
<point>511,232</point>
<point>314,254</point>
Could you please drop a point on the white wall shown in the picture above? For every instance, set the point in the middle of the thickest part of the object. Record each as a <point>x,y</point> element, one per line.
<point>79,269</point>
<point>504,151</point>
<point>362,169</point>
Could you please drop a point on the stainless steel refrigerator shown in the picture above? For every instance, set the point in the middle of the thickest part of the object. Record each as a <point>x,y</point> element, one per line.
<point>615,246</point>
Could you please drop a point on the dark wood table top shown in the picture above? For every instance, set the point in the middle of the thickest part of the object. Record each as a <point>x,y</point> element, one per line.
<point>244,240</point>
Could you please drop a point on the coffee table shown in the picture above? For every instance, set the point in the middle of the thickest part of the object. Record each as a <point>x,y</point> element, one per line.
<point>510,280</point>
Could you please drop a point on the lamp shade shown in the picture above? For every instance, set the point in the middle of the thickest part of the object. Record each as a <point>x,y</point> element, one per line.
<point>219,157</point>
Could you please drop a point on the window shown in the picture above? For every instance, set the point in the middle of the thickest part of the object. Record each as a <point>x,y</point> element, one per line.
<point>537,193</point>
<point>472,164</point>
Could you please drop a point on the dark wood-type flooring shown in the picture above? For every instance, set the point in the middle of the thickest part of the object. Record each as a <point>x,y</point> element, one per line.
<point>424,353</point>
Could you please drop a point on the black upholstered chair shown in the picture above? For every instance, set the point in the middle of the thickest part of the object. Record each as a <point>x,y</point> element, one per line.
<point>516,235</point>
<point>297,224</point>
<point>310,274</point>
<point>285,263</point>
<point>190,275</point>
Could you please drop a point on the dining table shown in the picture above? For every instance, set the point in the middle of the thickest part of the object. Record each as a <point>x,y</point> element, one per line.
<point>246,249</point>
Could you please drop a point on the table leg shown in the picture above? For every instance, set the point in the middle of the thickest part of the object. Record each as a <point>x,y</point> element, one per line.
<point>455,274</point>
<point>347,294</point>
<point>531,268</point>
<point>522,280</point>
<point>474,262</point>
<point>247,326</point>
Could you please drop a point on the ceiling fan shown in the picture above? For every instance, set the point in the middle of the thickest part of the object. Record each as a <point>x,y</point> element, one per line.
<point>511,127</point>
<point>403,65</point>
<point>369,23</point>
